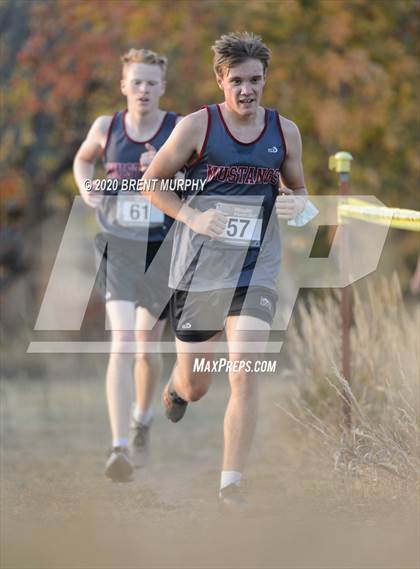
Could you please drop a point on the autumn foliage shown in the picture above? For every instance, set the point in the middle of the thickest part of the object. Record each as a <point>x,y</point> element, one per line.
<point>345,72</point>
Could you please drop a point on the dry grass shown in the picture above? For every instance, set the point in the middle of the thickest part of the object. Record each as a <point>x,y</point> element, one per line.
<point>384,383</point>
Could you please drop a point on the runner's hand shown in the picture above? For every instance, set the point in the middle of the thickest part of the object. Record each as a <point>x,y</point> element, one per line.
<point>211,222</point>
<point>288,206</point>
<point>147,157</point>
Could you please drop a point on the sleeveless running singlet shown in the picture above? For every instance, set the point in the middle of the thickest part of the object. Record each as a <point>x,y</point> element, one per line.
<point>242,181</point>
<point>128,215</point>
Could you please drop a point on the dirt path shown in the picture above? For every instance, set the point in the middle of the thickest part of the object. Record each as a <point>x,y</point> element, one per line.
<point>58,510</point>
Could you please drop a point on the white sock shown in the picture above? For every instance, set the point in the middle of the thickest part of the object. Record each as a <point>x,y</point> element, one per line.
<point>121,442</point>
<point>143,417</point>
<point>230,477</point>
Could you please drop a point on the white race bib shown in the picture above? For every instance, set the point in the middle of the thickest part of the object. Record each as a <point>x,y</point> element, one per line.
<point>244,224</point>
<point>137,211</point>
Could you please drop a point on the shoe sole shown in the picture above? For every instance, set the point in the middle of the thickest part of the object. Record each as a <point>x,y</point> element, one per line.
<point>176,412</point>
<point>228,507</point>
<point>120,470</point>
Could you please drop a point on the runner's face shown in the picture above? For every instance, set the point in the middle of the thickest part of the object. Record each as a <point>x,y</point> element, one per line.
<point>243,86</point>
<point>143,86</point>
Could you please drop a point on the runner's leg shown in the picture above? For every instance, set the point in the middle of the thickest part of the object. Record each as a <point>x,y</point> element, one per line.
<point>119,377</point>
<point>189,384</point>
<point>242,409</point>
<point>148,365</point>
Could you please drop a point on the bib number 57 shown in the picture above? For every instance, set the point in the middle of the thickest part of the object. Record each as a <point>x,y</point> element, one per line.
<point>237,227</point>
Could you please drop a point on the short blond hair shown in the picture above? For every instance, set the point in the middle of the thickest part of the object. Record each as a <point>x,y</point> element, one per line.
<point>235,48</point>
<point>144,56</point>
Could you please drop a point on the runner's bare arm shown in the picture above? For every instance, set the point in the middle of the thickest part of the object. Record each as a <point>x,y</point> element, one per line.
<point>181,146</point>
<point>146,157</point>
<point>293,191</point>
<point>84,162</point>
<point>292,168</point>
<point>184,144</point>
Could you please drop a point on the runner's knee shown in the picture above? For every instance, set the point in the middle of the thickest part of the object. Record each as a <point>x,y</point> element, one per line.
<point>146,358</point>
<point>119,341</point>
<point>242,384</point>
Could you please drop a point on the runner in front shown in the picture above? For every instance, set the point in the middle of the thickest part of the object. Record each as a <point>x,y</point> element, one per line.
<point>226,254</point>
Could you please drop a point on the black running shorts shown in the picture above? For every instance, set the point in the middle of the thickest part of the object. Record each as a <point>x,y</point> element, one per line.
<point>197,316</point>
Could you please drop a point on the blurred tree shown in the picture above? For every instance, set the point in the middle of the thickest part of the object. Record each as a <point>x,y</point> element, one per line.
<point>345,71</point>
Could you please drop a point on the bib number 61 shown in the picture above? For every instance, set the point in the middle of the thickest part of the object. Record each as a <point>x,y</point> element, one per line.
<point>139,212</point>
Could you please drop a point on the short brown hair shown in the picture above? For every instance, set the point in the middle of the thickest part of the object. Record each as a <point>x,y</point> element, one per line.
<point>233,49</point>
<point>144,56</point>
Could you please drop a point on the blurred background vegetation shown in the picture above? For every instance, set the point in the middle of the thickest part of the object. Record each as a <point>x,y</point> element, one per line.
<point>346,72</point>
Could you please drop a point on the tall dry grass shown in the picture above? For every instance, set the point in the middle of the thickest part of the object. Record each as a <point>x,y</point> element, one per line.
<point>384,379</point>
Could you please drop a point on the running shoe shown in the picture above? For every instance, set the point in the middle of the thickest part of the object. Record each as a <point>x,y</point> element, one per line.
<point>174,404</point>
<point>232,499</point>
<point>139,443</point>
<point>119,467</point>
